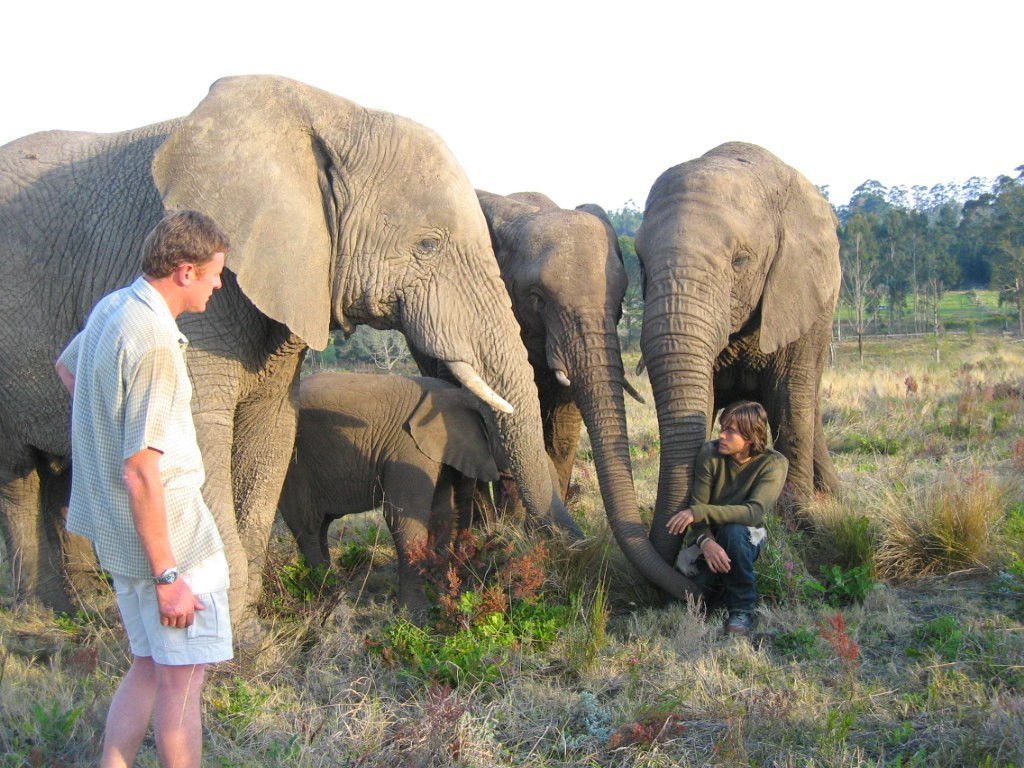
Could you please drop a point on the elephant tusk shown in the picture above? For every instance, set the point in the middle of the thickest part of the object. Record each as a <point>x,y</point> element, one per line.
<point>640,365</point>
<point>471,380</point>
<point>563,379</point>
<point>633,393</point>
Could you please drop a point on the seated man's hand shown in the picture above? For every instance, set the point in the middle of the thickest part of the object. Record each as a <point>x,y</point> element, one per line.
<point>680,521</point>
<point>716,558</point>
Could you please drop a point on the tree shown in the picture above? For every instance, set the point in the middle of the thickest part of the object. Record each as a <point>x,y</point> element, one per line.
<point>858,253</point>
<point>1006,234</point>
<point>626,220</point>
<point>939,257</point>
<point>633,301</point>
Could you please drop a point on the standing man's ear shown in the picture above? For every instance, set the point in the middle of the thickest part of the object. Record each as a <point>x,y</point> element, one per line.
<point>185,273</point>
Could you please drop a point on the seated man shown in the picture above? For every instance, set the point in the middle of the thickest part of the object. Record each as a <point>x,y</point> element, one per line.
<point>737,479</point>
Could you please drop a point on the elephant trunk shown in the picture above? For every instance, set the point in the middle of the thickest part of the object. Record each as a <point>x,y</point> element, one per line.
<point>598,390</point>
<point>487,352</point>
<point>686,324</point>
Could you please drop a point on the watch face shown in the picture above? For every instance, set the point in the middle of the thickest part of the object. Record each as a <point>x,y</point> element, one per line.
<point>167,577</point>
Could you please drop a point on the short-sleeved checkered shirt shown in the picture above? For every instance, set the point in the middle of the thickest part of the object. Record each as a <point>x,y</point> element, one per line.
<point>132,392</point>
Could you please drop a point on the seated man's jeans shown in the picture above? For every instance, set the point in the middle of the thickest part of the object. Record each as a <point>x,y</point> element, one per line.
<point>738,587</point>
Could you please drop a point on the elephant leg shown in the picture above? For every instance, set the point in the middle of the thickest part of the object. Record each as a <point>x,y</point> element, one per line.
<point>790,394</point>
<point>445,513</point>
<point>214,433</point>
<point>464,501</point>
<point>408,507</point>
<point>263,441</point>
<point>562,427</point>
<point>32,537</point>
<point>302,514</point>
<point>825,478</point>
<point>80,565</point>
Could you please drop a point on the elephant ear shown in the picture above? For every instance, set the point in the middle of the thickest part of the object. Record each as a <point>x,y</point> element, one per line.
<point>249,157</point>
<point>803,282</point>
<point>447,426</point>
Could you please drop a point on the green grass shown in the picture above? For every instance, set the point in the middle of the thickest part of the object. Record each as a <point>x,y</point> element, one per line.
<point>976,309</point>
<point>859,659</point>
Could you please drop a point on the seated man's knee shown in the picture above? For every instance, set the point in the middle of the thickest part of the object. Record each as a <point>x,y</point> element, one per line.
<point>733,537</point>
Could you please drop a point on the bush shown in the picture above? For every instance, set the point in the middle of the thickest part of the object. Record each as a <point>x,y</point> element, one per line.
<point>944,527</point>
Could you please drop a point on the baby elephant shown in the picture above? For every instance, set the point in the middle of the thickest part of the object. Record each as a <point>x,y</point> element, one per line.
<point>413,445</point>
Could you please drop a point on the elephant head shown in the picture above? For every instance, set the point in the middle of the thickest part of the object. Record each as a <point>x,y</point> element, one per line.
<point>742,274</point>
<point>342,215</point>
<point>564,272</point>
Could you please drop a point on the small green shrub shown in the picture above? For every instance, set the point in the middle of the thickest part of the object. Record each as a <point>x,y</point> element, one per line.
<point>800,643</point>
<point>478,654</point>
<point>235,704</point>
<point>486,605</point>
<point>885,445</point>
<point>844,586</point>
<point>942,635</point>
<point>308,583</point>
<point>588,633</point>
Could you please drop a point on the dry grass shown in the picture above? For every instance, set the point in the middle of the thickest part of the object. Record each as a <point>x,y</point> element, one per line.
<point>927,670</point>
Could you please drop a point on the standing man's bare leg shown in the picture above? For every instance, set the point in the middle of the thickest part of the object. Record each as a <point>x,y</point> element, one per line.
<point>130,712</point>
<point>177,716</point>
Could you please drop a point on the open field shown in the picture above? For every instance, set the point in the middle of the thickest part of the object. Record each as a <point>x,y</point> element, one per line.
<point>964,310</point>
<point>890,635</point>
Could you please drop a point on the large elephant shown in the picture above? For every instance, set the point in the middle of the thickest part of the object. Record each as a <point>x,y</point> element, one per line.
<point>564,271</point>
<point>414,445</point>
<point>741,265</point>
<point>339,216</point>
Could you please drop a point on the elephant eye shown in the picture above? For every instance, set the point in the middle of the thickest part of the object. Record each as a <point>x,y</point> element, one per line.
<point>428,246</point>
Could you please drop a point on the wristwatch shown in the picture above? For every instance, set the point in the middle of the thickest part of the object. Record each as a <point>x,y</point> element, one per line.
<point>167,577</point>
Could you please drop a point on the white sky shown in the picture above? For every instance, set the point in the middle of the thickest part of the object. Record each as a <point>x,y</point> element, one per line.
<point>584,101</point>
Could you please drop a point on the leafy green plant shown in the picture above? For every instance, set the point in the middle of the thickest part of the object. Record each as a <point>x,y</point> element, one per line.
<point>235,705</point>
<point>486,606</point>
<point>308,583</point>
<point>847,586</point>
<point>799,642</point>
<point>75,623</point>
<point>943,635</point>
<point>55,726</point>
<point>471,655</point>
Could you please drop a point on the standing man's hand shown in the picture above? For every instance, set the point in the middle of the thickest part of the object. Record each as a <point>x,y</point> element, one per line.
<point>716,558</point>
<point>680,521</point>
<point>177,604</point>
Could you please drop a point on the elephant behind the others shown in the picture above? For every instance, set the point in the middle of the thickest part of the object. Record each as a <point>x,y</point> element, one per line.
<point>412,445</point>
<point>565,274</point>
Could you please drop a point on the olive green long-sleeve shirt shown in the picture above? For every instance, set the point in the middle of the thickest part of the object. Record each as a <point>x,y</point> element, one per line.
<point>727,492</point>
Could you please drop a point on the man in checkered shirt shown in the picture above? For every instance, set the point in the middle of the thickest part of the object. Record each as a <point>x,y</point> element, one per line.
<point>135,489</point>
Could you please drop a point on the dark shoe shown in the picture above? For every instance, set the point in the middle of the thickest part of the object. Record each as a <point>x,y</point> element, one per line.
<point>739,623</point>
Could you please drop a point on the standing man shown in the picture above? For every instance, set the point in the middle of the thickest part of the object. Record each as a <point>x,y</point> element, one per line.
<point>135,490</point>
<point>737,479</point>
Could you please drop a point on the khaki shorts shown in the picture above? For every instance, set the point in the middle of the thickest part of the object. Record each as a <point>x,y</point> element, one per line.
<point>207,641</point>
